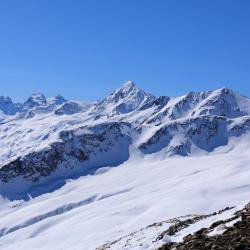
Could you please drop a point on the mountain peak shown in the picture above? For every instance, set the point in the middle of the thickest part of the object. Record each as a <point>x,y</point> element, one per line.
<point>37,96</point>
<point>7,106</point>
<point>128,85</point>
<point>127,98</point>
<point>36,99</point>
<point>56,100</point>
<point>127,88</point>
<point>225,90</point>
<point>5,99</point>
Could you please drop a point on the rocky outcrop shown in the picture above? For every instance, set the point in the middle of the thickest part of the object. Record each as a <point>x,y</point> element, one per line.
<point>205,132</point>
<point>69,108</point>
<point>124,100</point>
<point>91,147</point>
<point>35,100</point>
<point>224,102</point>
<point>236,237</point>
<point>8,107</point>
<point>158,103</point>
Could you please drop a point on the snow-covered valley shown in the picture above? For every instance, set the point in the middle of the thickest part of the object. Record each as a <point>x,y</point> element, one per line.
<point>76,175</point>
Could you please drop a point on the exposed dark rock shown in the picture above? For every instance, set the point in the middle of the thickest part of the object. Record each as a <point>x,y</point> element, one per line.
<point>158,102</point>
<point>181,224</point>
<point>34,101</point>
<point>236,237</point>
<point>69,108</point>
<point>74,147</point>
<point>8,107</point>
<point>205,132</point>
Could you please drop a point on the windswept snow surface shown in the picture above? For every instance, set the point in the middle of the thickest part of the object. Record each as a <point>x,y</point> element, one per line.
<point>87,212</point>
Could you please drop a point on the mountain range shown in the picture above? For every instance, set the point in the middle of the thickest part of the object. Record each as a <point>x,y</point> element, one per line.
<point>47,136</point>
<point>53,146</point>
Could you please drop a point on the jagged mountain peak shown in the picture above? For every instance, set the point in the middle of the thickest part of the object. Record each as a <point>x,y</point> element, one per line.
<point>37,96</point>
<point>225,102</point>
<point>225,90</point>
<point>125,99</point>
<point>7,106</point>
<point>5,99</point>
<point>129,84</point>
<point>36,99</point>
<point>56,100</point>
<point>129,88</point>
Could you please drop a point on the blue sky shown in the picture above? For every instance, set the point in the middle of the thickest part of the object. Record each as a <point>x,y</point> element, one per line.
<point>84,49</point>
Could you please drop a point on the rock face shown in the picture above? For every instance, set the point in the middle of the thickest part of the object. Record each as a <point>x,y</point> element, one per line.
<point>204,132</point>
<point>236,237</point>
<point>8,107</point>
<point>68,108</point>
<point>158,102</point>
<point>96,145</point>
<point>34,101</point>
<point>225,102</point>
<point>126,99</point>
<point>35,104</point>
<point>32,134</point>
<point>57,100</point>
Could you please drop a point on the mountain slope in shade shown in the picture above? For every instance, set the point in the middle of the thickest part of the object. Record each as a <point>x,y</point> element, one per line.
<point>8,107</point>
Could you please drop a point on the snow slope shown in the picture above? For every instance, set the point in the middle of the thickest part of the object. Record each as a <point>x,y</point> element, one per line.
<point>76,175</point>
<point>87,212</point>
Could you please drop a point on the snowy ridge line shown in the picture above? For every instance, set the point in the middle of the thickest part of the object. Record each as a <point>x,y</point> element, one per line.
<point>67,136</point>
<point>60,210</point>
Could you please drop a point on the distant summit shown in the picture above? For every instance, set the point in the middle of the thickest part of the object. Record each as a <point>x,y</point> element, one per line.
<point>56,100</point>
<point>125,99</point>
<point>35,100</point>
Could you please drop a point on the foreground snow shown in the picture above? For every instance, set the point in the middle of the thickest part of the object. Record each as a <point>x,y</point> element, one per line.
<point>92,210</point>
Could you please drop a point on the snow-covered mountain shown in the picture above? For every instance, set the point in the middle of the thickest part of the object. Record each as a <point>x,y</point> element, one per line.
<point>34,145</point>
<point>47,141</point>
<point>124,100</point>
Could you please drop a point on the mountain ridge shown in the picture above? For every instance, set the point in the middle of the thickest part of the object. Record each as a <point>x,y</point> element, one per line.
<point>195,122</point>
<point>126,172</point>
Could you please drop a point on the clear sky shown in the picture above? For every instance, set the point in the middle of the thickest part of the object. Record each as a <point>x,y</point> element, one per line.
<point>84,49</point>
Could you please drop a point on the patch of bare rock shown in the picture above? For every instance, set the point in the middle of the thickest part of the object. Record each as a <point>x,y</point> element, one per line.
<point>236,237</point>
